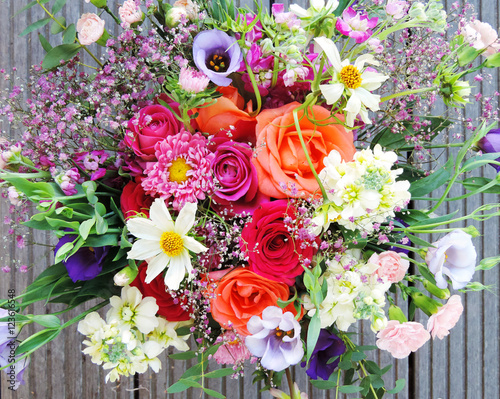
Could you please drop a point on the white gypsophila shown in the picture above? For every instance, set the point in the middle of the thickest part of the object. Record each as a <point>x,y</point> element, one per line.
<point>354,291</point>
<point>356,82</point>
<point>165,243</point>
<point>132,310</point>
<point>361,192</point>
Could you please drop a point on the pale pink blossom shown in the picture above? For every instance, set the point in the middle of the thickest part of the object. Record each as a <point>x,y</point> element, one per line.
<point>192,10</point>
<point>23,269</point>
<point>193,81</point>
<point>232,350</point>
<point>376,45</point>
<point>440,324</point>
<point>392,267</point>
<point>396,8</point>
<point>90,28</point>
<point>130,12</point>
<point>481,35</point>
<point>402,339</point>
<point>13,196</point>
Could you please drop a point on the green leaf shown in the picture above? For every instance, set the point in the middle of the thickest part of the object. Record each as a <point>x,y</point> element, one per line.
<point>56,25</point>
<point>439,219</point>
<point>213,393</point>
<point>37,340</point>
<point>183,356</point>
<point>466,55</point>
<point>493,61</point>
<point>313,334</point>
<point>85,227</point>
<point>63,52</point>
<point>357,356</point>
<point>424,271</point>
<point>26,7</point>
<point>63,251</point>
<point>182,385</point>
<point>47,320</point>
<point>220,373</point>
<point>350,389</point>
<point>58,224</point>
<point>324,384</point>
<point>400,384</point>
<point>34,26</point>
<point>58,5</point>
<point>44,42</point>
<point>479,161</point>
<point>69,34</point>
<point>89,188</point>
<point>103,39</point>
<point>430,183</point>
<point>35,191</point>
<point>102,240</point>
<point>488,263</point>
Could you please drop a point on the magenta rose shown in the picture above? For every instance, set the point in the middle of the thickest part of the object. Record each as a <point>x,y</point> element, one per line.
<point>271,249</point>
<point>237,189</point>
<point>154,123</point>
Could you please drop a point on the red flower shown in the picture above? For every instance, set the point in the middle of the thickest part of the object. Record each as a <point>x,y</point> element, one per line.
<point>134,200</point>
<point>170,308</point>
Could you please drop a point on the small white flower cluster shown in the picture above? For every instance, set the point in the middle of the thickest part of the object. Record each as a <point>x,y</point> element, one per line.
<point>132,336</point>
<point>354,291</point>
<point>362,192</point>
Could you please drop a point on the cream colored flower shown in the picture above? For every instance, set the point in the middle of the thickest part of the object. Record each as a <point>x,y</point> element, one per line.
<point>316,7</point>
<point>354,82</point>
<point>164,243</point>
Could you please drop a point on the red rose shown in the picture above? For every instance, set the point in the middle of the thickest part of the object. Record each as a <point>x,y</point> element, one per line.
<point>170,308</point>
<point>154,123</point>
<point>134,200</point>
<point>271,249</point>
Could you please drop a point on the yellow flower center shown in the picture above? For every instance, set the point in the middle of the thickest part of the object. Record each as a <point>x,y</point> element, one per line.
<point>171,243</point>
<point>351,77</point>
<point>178,171</point>
<point>280,333</point>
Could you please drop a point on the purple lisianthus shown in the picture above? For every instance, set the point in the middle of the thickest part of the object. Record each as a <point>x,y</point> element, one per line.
<point>237,189</point>
<point>216,54</point>
<point>453,255</point>
<point>275,339</point>
<point>491,144</point>
<point>356,25</point>
<point>86,263</point>
<point>327,347</point>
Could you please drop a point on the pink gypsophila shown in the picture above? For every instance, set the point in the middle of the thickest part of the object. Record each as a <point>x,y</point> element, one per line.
<point>182,170</point>
<point>356,25</point>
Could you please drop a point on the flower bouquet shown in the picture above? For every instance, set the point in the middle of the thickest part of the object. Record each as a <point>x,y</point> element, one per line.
<point>244,185</point>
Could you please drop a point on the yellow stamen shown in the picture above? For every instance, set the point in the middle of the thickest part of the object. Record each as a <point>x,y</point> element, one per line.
<point>171,243</point>
<point>178,170</point>
<point>351,77</point>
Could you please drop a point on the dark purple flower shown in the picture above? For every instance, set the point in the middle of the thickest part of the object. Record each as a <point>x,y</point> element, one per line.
<point>86,263</point>
<point>327,347</point>
<point>217,55</point>
<point>490,144</point>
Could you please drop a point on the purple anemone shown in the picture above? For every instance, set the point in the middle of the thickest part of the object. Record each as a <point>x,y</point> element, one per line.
<point>216,54</point>
<point>86,263</point>
<point>491,144</point>
<point>327,347</point>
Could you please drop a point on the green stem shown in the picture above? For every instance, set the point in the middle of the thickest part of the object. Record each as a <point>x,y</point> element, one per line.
<point>290,383</point>
<point>92,55</point>
<point>407,92</point>
<point>82,315</point>
<point>255,89</point>
<point>117,20</point>
<point>409,148</point>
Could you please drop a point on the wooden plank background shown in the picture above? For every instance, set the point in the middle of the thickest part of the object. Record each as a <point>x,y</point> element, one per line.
<point>465,365</point>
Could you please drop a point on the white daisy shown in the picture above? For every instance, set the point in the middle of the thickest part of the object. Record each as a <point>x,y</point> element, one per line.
<point>164,243</point>
<point>353,81</point>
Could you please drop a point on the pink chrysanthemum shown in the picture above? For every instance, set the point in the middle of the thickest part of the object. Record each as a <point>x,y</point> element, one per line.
<point>193,81</point>
<point>182,170</point>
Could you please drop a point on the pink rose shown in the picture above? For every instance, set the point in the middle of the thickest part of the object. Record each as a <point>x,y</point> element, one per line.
<point>153,124</point>
<point>401,339</point>
<point>444,320</point>
<point>130,13</point>
<point>392,267</point>
<point>90,28</point>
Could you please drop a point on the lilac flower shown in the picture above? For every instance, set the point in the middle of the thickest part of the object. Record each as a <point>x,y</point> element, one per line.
<point>491,143</point>
<point>217,55</point>
<point>327,347</point>
<point>453,255</point>
<point>86,263</point>
<point>275,339</point>
<point>355,25</point>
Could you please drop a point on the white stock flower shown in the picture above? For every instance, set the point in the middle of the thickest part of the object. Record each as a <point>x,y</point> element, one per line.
<point>166,335</point>
<point>316,7</point>
<point>354,82</point>
<point>164,243</point>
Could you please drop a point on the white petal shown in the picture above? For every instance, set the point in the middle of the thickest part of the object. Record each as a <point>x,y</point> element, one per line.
<point>156,266</point>
<point>365,59</point>
<point>175,273</point>
<point>160,215</point>
<point>354,104</point>
<point>318,4</point>
<point>193,245</point>
<point>186,218</point>
<point>298,11</point>
<point>332,92</point>
<point>331,51</point>
<point>372,80</point>
<point>368,99</point>
<point>144,249</point>
<point>144,228</point>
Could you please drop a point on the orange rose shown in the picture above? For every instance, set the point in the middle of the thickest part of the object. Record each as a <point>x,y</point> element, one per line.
<point>242,294</point>
<point>228,110</point>
<point>280,159</point>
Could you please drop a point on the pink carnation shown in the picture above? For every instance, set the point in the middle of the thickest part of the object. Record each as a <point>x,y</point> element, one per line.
<point>130,12</point>
<point>392,267</point>
<point>182,171</point>
<point>440,324</point>
<point>193,81</point>
<point>481,35</point>
<point>90,28</point>
<point>401,339</point>
<point>232,351</point>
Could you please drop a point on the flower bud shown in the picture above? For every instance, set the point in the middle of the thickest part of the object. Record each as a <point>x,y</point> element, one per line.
<point>427,305</point>
<point>395,313</point>
<point>125,276</point>
<point>472,231</point>
<point>174,16</point>
<point>436,291</point>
